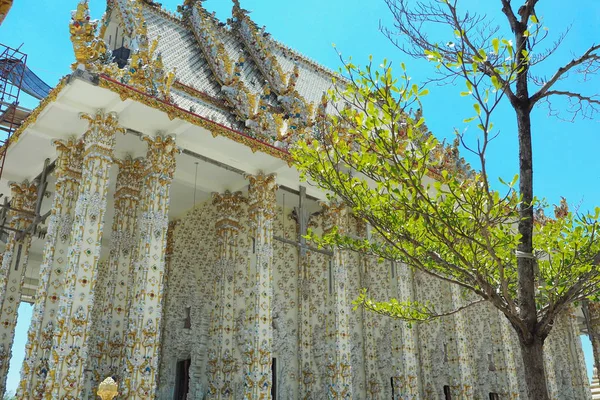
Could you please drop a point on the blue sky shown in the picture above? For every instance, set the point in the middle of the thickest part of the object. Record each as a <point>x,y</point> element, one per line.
<point>566,161</point>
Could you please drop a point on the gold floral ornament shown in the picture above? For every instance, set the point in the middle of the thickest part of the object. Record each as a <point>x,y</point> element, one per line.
<point>108,389</point>
<point>145,70</point>
<point>88,48</point>
<point>160,157</point>
<point>5,6</point>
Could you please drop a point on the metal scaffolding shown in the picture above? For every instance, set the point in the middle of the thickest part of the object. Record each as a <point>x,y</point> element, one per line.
<point>11,81</point>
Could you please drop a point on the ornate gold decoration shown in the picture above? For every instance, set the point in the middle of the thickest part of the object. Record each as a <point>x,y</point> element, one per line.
<point>204,27</point>
<point>261,195</point>
<point>229,208</point>
<point>335,215</point>
<point>298,111</point>
<point>171,238</point>
<point>160,158</point>
<point>87,46</point>
<point>23,200</point>
<point>146,70</point>
<point>260,48</point>
<point>5,6</point>
<point>100,136</point>
<point>173,111</point>
<point>108,389</point>
<point>200,95</point>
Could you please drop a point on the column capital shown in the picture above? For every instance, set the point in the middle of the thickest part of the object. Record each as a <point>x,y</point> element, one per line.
<point>23,201</point>
<point>171,239</point>
<point>229,207</point>
<point>129,178</point>
<point>334,215</point>
<point>261,194</point>
<point>99,139</point>
<point>70,159</point>
<point>160,158</point>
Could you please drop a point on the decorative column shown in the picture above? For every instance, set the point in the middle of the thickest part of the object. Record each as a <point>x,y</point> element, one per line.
<point>464,359</point>
<point>305,334</point>
<point>12,271</point>
<point>221,363</point>
<point>52,270</point>
<point>145,316</point>
<point>594,326</point>
<point>406,382</point>
<point>120,262</point>
<point>373,381</point>
<point>70,343</point>
<point>339,367</point>
<point>258,355</point>
<point>370,282</point>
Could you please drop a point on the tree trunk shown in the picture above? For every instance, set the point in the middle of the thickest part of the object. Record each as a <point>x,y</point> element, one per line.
<point>532,352</point>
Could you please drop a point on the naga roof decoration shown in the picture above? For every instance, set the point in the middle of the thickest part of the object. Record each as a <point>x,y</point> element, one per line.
<point>261,123</point>
<point>262,49</point>
<point>90,51</point>
<point>238,77</point>
<point>145,69</point>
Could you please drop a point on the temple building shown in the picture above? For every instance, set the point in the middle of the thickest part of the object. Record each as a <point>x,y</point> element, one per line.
<point>154,220</point>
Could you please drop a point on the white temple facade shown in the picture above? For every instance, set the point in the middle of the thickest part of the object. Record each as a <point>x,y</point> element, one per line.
<point>169,254</point>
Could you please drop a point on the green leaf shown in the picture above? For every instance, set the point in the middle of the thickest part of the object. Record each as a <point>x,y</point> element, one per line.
<point>495,82</point>
<point>477,108</point>
<point>496,45</point>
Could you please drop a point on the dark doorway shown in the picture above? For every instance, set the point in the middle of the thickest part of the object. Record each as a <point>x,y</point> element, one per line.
<point>447,393</point>
<point>494,396</point>
<point>182,379</point>
<point>274,379</point>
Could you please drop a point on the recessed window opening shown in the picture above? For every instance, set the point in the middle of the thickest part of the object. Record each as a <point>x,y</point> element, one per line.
<point>182,379</point>
<point>274,379</point>
<point>187,323</point>
<point>330,277</point>
<point>447,393</point>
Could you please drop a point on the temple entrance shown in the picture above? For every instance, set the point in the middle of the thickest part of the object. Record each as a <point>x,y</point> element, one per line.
<point>182,379</point>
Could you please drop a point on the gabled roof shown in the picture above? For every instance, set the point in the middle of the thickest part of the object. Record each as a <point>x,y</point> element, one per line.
<point>233,73</point>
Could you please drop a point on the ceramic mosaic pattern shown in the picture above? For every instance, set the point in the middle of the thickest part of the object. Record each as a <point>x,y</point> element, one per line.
<point>113,295</point>
<point>285,305</point>
<point>118,299</point>
<point>421,358</point>
<point>406,374</point>
<point>12,270</point>
<point>52,270</point>
<point>257,356</point>
<point>70,342</point>
<point>188,291</point>
<point>142,342</point>
<point>232,275</point>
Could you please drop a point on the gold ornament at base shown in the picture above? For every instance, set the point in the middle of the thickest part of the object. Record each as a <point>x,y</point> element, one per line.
<point>108,389</point>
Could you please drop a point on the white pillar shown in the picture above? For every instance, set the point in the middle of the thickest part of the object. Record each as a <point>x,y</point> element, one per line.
<point>70,344</point>
<point>339,364</point>
<point>120,265</point>
<point>407,380</point>
<point>52,270</point>
<point>12,271</point>
<point>145,316</point>
<point>221,363</point>
<point>258,354</point>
